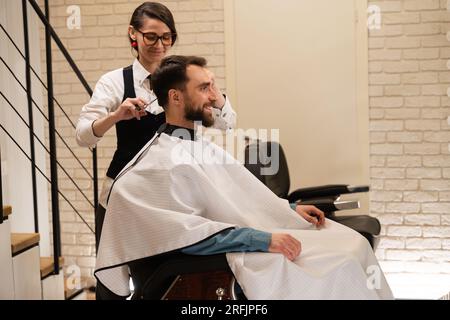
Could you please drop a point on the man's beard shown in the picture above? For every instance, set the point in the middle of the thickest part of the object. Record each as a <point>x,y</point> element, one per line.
<point>198,114</point>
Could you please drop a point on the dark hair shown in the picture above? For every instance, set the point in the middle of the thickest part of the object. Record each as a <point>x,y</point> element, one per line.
<point>171,74</point>
<point>153,10</point>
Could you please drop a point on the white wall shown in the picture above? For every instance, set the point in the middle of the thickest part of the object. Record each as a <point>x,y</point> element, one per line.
<point>17,187</point>
<point>301,66</point>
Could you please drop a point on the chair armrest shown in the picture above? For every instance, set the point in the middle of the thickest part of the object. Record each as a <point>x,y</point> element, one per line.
<point>329,206</point>
<point>327,191</point>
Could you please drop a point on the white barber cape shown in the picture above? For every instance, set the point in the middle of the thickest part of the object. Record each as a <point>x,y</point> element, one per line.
<point>179,192</point>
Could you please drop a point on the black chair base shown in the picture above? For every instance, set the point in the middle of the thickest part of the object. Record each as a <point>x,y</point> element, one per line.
<point>153,276</point>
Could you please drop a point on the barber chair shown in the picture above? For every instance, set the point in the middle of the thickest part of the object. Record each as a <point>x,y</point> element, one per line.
<point>258,156</point>
<point>178,276</point>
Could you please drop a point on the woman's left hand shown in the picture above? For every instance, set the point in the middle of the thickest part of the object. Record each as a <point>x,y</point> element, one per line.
<point>220,102</point>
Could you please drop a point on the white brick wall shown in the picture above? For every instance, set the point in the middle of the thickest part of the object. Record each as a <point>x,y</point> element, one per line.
<point>99,46</point>
<point>409,77</point>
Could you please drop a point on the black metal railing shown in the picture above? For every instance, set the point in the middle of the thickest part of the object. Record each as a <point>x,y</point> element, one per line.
<point>45,176</point>
<point>30,113</point>
<point>50,35</point>
<point>43,114</point>
<point>52,141</point>
<point>55,37</point>
<point>46,149</point>
<point>1,190</point>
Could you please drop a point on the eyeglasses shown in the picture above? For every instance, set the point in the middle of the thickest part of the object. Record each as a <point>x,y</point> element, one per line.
<point>151,38</point>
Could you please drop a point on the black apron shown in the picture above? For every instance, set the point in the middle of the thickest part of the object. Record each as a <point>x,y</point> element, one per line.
<point>132,134</point>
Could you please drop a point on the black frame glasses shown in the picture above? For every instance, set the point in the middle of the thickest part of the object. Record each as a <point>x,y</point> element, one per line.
<point>151,38</point>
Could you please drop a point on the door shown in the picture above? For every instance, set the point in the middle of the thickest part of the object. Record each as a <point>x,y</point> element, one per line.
<point>301,67</point>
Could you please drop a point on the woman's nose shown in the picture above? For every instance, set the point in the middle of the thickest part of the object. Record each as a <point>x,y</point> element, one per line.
<point>158,43</point>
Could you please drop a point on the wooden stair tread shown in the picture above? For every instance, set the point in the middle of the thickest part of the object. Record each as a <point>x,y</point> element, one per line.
<point>47,265</point>
<point>7,210</point>
<point>22,241</point>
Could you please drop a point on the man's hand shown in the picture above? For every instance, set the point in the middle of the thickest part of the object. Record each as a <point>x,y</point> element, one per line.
<point>311,214</point>
<point>220,102</point>
<point>285,244</point>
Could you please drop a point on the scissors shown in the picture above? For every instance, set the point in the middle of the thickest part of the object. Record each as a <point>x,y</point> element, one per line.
<point>137,108</point>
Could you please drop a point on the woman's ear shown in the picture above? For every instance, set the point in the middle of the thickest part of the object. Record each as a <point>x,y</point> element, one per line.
<point>132,33</point>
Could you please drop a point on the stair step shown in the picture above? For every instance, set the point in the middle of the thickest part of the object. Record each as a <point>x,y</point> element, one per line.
<point>47,265</point>
<point>70,294</point>
<point>7,210</point>
<point>23,241</point>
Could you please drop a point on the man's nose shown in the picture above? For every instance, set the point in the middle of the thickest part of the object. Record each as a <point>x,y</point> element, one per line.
<point>212,94</point>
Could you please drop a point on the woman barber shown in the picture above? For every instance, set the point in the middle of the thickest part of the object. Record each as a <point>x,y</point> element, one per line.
<point>124,99</point>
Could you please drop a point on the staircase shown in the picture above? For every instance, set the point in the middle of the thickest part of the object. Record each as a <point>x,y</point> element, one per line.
<point>27,276</point>
<point>25,261</point>
<point>52,284</point>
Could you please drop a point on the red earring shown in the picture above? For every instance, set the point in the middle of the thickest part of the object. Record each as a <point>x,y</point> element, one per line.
<point>134,44</point>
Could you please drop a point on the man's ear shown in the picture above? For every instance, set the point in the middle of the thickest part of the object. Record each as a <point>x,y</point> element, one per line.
<point>174,96</point>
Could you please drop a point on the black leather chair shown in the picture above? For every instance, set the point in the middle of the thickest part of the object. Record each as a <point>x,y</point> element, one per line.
<point>178,276</point>
<point>258,156</point>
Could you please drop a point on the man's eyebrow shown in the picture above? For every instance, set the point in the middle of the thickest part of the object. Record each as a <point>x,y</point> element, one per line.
<point>203,84</point>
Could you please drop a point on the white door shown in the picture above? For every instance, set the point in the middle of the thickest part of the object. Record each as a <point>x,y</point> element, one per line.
<point>301,66</point>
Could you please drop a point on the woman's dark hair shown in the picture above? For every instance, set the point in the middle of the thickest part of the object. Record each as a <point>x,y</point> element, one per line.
<point>171,74</point>
<point>153,10</point>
